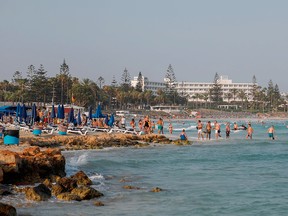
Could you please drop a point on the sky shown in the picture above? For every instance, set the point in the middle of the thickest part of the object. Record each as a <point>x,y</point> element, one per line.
<point>103,37</point>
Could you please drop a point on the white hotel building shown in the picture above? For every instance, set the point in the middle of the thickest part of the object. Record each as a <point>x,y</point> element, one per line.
<point>191,89</point>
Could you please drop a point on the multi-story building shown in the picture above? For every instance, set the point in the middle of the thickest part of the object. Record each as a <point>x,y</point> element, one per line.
<point>192,89</point>
<point>149,85</point>
<point>230,90</point>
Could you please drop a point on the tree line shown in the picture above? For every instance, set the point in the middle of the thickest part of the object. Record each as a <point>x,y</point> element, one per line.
<point>63,88</point>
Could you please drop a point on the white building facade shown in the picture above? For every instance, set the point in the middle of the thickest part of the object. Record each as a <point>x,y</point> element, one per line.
<point>192,89</point>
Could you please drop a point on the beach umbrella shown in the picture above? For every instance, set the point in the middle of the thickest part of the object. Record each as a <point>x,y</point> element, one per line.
<point>62,112</point>
<point>59,111</point>
<point>71,116</point>
<point>98,113</point>
<point>90,113</point>
<point>23,113</point>
<point>111,120</point>
<point>53,114</point>
<point>79,121</point>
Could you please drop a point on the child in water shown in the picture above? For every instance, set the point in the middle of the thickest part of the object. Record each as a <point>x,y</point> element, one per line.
<point>183,135</point>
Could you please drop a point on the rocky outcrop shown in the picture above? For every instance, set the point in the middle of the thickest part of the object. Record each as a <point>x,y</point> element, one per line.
<point>38,193</point>
<point>31,166</point>
<point>82,178</point>
<point>99,141</point>
<point>86,193</point>
<point>7,210</point>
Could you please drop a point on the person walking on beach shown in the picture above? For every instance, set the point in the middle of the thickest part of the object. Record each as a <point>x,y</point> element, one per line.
<point>183,135</point>
<point>217,129</point>
<point>199,128</point>
<point>227,130</point>
<point>250,131</point>
<point>208,130</point>
<point>271,132</point>
<point>160,125</point>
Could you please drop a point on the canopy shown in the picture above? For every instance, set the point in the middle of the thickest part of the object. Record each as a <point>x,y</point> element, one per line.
<point>98,113</point>
<point>79,121</point>
<point>23,113</point>
<point>53,114</point>
<point>90,113</point>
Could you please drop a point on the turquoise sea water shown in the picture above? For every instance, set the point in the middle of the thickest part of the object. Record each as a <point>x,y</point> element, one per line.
<point>223,177</point>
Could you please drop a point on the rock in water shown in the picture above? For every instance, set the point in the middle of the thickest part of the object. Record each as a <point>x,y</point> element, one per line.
<point>7,210</point>
<point>82,179</point>
<point>38,193</point>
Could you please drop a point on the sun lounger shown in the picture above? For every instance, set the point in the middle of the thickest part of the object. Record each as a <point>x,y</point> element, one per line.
<point>77,131</point>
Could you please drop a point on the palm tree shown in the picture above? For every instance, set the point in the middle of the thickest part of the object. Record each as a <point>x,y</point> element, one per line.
<point>242,96</point>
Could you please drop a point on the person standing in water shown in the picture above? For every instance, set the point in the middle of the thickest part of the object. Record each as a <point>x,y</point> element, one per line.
<point>160,125</point>
<point>271,132</point>
<point>250,131</point>
<point>217,129</point>
<point>227,130</point>
<point>208,130</point>
<point>170,128</point>
<point>199,128</point>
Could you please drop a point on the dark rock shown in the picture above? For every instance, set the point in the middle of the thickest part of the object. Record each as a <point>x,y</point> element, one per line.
<point>38,193</point>
<point>156,189</point>
<point>129,187</point>
<point>56,189</point>
<point>82,179</point>
<point>86,193</point>
<point>98,203</point>
<point>68,197</point>
<point>67,183</point>
<point>7,210</point>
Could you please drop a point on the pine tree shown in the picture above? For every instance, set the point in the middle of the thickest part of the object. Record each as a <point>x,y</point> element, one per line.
<point>126,80</point>
<point>170,78</point>
<point>139,85</point>
<point>114,82</point>
<point>216,90</point>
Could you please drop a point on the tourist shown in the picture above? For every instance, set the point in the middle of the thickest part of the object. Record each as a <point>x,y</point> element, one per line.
<point>160,124</point>
<point>140,124</point>
<point>132,123</point>
<point>217,130</point>
<point>249,131</point>
<point>227,130</point>
<point>123,122</point>
<point>208,130</point>
<point>199,128</point>
<point>235,126</point>
<point>183,135</point>
<point>170,127</point>
<point>147,125</point>
<point>271,132</point>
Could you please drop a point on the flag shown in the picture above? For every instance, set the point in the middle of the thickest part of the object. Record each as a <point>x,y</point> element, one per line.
<point>73,99</point>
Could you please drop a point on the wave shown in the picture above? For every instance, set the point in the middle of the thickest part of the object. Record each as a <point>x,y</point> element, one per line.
<point>192,127</point>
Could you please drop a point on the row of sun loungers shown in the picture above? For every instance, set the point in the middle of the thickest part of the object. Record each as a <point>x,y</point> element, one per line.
<point>74,130</point>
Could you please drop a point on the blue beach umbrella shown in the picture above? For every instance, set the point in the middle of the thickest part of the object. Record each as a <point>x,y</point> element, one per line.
<point>98,113</point>
<point>90,113</point>
<point>111,120</point>
<point>71,116</point>
<point>23,113</point>
<point>62,112</point>
<point>79,121</point>
<point>59,111</point>
<point>53,115</point>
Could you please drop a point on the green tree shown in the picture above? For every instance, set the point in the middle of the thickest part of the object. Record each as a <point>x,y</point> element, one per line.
<point>216,90</point>
<point>139,85</point>
<point>126,80</point>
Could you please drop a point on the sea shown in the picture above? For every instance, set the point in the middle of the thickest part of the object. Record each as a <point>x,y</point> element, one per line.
<point>235,176</point>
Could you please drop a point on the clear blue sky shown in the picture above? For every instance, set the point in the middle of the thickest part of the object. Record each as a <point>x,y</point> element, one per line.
<point>238,38</point>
